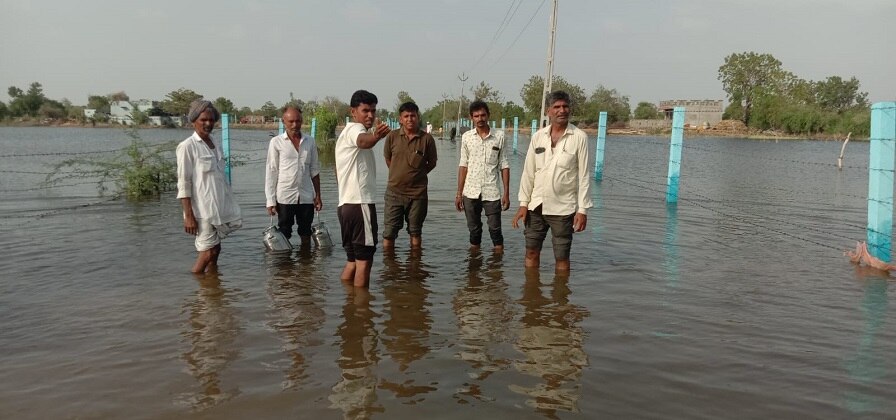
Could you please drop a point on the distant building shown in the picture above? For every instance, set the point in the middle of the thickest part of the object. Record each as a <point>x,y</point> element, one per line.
<point>121,112</point>
<point>697,113</point>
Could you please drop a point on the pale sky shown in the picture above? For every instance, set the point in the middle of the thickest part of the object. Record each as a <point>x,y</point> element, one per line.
<point>258,50</point>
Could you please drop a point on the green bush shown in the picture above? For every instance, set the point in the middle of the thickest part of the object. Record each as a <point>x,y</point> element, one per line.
<point>139,171</point>
<point>326,124</point>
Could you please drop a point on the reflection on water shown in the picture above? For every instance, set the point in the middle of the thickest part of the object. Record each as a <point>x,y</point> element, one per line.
<point>407,319</point>
<point>865,367</point>
<point>550,339</point>
<point>211,332</point>
<point>296,291</point>
<point>355,393</point>
<point>483,310</point>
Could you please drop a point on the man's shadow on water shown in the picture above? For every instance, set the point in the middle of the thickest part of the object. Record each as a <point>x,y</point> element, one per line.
<point>483,311</point>
<point>550,339</point>
<point>408,320</point>
<point>295,290</point>
<point>211,330</point>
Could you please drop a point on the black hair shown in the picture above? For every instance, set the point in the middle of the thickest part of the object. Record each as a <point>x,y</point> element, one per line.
<point>362,97</point>
<point>409,107</point>
<point>478,105</point>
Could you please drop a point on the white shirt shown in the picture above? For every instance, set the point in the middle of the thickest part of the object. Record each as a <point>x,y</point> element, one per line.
<point>289,171</point>
<point>557,178</point>
<point>200,176</point>
<point>355,167</point>
<point>484,159</point>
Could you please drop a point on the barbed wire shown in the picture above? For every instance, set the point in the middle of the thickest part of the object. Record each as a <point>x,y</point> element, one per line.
<point>733,216</point>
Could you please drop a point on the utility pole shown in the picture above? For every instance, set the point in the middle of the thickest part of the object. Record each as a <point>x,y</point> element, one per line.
<point>460,101</point>
<point>548,80</point>
<point>444,99</point>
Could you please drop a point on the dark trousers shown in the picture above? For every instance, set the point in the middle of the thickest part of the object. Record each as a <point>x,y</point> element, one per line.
<point>473,210</point>
<point>300,214</point>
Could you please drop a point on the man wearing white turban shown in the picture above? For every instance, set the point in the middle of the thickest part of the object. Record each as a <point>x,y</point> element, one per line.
<point>210,212</point>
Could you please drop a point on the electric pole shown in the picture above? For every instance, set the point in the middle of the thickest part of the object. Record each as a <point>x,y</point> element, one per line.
<point>460,101</point>
<point>444,99</point>
<point>548,80</point>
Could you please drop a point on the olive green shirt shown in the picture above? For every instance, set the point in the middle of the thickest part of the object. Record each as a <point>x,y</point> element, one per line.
<point>411,160</point>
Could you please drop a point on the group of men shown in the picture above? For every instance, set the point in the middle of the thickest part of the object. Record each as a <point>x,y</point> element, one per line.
<point>554,191</point>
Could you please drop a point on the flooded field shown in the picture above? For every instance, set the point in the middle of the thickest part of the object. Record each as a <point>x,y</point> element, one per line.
<point>736,303</point>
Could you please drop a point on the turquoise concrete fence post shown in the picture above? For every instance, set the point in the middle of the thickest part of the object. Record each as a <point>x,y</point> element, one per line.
<point>502,125</point>
<point>493,124</point>
<point>675,155</point>
<point>225,144</point>
<point>280,128</point>
<point>534,128</point>
<point>516,132</point>
<point>313,128</point>
<point>599,151</point>
<point>880,179</point>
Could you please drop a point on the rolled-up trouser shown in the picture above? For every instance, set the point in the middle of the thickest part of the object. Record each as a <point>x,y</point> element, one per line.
<point>536,230</point>
<point>473,208</point>
<point>209,235</point>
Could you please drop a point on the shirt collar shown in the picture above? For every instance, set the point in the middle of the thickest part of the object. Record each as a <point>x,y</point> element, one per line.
<point>196,137</point>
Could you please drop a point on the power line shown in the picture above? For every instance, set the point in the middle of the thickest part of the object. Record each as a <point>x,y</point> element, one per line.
<point>520,34</point>
<point>501,27</point>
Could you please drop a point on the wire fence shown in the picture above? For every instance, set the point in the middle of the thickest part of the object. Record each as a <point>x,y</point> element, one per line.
<point>246,146</point>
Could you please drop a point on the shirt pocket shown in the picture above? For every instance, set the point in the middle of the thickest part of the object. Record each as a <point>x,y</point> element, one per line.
<point>415,158</point>
<point>567,160</point>
<point>492,156</point>
<point>205,163</point>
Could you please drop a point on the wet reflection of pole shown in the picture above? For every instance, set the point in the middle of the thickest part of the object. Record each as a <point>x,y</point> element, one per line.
<point>670,263</point>
<point>865,367</point>
<point>551,341</point>
<point>483,311</point>
<point>211,331</point>
<point>408,321</point>
<point>295,289</point>
<point>355,393</point>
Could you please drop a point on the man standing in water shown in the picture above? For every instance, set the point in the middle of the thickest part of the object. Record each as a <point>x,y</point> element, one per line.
<point>210,212</point>
<point>356,177</point>
<point>292,178</point>
<point>482,156</point>
<point>410,155</point>
<point>555,190</point>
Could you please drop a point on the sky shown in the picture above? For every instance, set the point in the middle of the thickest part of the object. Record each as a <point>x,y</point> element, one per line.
<point>255,51</point>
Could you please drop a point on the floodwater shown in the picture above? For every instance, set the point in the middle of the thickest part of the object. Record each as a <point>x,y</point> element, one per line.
<point>736,303</point>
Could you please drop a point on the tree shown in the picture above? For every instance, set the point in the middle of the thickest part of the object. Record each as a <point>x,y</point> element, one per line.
<point>177,102</point>
<point>646,111</point>
<point>609,100</point>
<point>99,103</point>
<point>531,93</point>
<point>402,98</point>
<point>52,110</point>
<point>14,92</point>
<point>839,95</point>
<point>119,96</point>
<point>513,110</point>
<point>269,110</point>
<point>484,92</point>
<point>334,104</point>
<point>224,105</point>
<point>748,75</point>
<point>4,111</point>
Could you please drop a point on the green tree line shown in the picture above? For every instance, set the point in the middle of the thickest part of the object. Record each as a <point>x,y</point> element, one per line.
<point>765,96</point>
<point>760,91</point>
